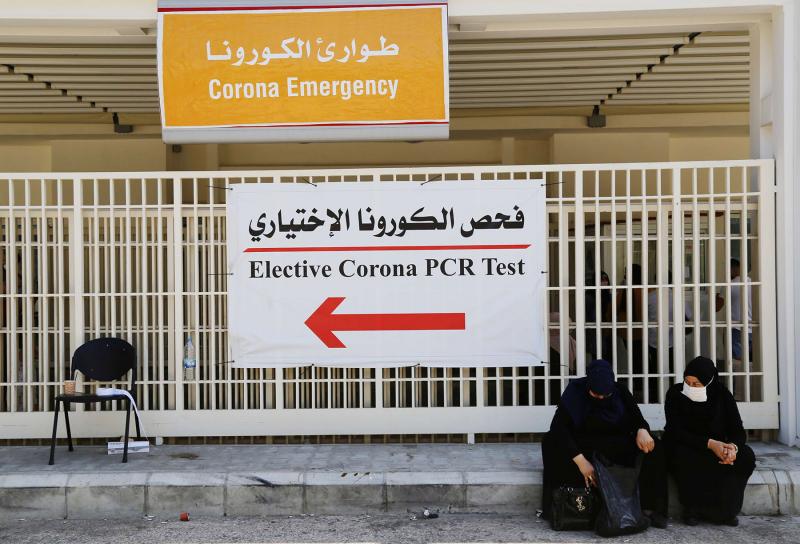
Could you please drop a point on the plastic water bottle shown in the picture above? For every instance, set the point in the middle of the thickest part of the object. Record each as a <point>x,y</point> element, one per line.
<point>189,360</point>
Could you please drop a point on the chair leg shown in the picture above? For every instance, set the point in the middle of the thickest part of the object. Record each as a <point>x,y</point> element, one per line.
<point>65,404</point>
<point>127,431</point>
<point>55,429</point>
<point>138,430</point>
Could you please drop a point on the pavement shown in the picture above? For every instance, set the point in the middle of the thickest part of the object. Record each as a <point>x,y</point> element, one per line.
<point>383,528</point>
<point>269,480</point>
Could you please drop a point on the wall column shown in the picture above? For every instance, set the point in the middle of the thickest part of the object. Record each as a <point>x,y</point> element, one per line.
<point>774,133</point>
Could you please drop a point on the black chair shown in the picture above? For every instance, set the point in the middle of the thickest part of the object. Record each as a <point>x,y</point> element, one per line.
<point>104,360</point>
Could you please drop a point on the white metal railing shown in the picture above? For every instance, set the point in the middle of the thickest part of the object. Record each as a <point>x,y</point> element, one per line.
<point>142,256</point>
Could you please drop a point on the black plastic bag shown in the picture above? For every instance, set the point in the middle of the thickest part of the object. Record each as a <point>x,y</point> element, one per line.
<point>621,511</point>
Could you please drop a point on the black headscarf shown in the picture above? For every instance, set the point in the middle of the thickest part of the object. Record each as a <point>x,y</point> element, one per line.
<point>702,418</point>
<point>703,369</point>
<point>579,404</point>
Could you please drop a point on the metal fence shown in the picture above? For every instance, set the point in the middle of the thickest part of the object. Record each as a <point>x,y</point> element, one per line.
<point>142,256</point>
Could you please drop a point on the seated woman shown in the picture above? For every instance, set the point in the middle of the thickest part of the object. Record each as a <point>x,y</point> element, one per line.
<point>596,414</point>
<point>706,451</point>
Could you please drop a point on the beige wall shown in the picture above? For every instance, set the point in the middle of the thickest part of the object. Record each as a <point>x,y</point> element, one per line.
<point>119,155</point>
<point>123,153</point>
<point>360,154</point>
<point>596,147</point>
<point>25,158</point>
<point>694,148</point>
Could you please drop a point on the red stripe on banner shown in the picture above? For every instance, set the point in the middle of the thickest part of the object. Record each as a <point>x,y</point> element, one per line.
<point>355,124</point>
<point>273,8</point>
<point>383,248</point>
<point>323,322</point>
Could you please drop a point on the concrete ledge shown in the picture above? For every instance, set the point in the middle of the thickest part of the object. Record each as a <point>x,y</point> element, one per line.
<point>132,495</point>
<point>761,497</point>
<point>198,493</point>
<point>33,490</point>
<point>264,494</point>
<point>33,496</point>
<point>106,496</point>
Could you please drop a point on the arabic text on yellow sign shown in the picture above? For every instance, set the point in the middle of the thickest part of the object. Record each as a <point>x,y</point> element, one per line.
<point>303,67</point>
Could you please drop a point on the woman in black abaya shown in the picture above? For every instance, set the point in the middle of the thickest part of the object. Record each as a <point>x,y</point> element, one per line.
<point>706,447</point>
<point>596,414</point>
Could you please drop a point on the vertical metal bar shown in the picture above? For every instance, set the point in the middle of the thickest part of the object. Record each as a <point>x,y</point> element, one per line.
<point>744,274</point>
<point>77,319</point>
<point>728,317</point>
<point>663,264</point>
<point>61,266</point>
<point>43,277</point>
<point>163,326</point>
<point>211,319</point>
<point>767,308</point>
<point>580,276</point>
<point>629,273</point>
<point>176,297</point>
<point>280,402</point>
<point>127,241</point>
<point>598,299</point>
<point>379,385</point>
<point>194,243</point>
<point>678,309</point>
<point>481,386</point>
<point>112,255</point>
<point>645,264</point>
<point>14,299</point>
<point>97,287</point>
<point>563,284</point>
<point>696,277</point>
<point>28,296</point>
<point>614,278</point>
<point>712,262</point>
<point>145,227</point>
<point>44,308</point>
<point>5,300</point>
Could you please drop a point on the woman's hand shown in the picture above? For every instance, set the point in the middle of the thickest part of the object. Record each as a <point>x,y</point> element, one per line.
<point>586,469</point>
<point>730,454</point>
<point>644,441</point>
<point>720,449</point>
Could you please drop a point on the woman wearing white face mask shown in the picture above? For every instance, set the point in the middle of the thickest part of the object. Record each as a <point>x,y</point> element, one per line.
<point>706,450</point>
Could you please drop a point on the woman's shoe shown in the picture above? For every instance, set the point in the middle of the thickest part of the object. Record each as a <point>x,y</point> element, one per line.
<point>690,519</point>
<point>732,522</point>
<point>659,521</point>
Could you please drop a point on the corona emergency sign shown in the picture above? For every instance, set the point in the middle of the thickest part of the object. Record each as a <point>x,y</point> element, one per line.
<point>279,71</point>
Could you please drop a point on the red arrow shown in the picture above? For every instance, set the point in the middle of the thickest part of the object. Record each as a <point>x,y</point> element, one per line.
<point>323,322</point>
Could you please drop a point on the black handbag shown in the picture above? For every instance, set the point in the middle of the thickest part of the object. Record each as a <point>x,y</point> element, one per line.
<point>574,508</point>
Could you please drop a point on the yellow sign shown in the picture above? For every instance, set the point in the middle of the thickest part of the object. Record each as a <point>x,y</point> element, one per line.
<point>232,72</point>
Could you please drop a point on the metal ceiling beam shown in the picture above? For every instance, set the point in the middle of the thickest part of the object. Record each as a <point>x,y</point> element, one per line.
<point>535,45</point>
<point>79,61</point>
<point>121,70</point>
<point>591,54</point>
<point>627,64</point>
<point>56,51</point>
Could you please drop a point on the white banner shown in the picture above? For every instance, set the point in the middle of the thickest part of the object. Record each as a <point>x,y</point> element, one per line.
<point>387,274</point>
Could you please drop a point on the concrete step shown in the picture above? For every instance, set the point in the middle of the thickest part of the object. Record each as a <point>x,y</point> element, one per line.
<point>214,481</point>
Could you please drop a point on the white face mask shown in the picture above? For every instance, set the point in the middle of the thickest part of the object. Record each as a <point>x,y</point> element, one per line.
<point>696,394</point>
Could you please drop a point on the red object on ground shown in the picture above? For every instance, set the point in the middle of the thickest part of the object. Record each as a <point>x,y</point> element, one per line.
<point>184,516</point>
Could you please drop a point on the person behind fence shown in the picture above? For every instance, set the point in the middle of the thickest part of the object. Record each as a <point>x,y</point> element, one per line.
<point>596,414</point>
<point>737,305</point>
<point>706,450</point>
<point>594,320</point>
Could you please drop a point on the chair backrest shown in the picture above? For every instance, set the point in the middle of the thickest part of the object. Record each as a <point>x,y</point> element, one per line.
<point>105,360</point>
